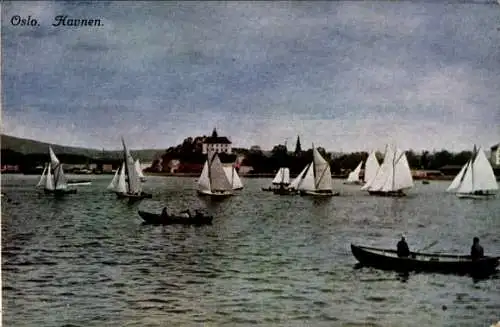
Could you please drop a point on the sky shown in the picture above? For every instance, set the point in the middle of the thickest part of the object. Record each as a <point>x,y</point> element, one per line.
<point>347,76</point>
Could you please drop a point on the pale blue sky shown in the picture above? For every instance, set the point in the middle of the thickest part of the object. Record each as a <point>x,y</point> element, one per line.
<point>347,76</point>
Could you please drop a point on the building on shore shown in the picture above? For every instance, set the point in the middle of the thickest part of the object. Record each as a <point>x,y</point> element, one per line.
<point>217,144</point>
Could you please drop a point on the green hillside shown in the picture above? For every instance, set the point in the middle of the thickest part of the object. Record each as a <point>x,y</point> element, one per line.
<point>26,146</point>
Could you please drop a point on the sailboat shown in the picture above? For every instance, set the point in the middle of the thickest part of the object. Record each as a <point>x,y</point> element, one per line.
<point>234,179</point>
<point>129,177</point>
<point>213,180</point>
<point>393,176</point>
<point>317,178</point>
<point>371,167</point>
<point>138,168</point>
<point>281,180</point>
<point>54,183</point>
<point>353,177</point>
<point>476,179</point>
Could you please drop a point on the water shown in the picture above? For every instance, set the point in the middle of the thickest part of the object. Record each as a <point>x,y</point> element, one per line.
<point>267,260</point>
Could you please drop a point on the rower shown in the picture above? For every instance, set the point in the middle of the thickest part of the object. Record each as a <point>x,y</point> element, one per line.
<point>476,250</point>
<point>164,212</point>
<point>403,249</point>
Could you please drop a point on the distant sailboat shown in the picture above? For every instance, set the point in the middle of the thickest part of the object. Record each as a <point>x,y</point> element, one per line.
<point>213,180</point>
<point>54,183</point>
<point>234,179</point>
<point>476,179</point>
<point>353,177</point>
<point>317,180</point>
<point>280,180</point>
<point>371,167</point>
<point>129,177</point>
<point>139,170</point>
<point>393,176</point>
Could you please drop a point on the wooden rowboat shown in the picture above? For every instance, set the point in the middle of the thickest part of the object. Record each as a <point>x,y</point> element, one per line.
<point>387,259</point>
<point>159,219</point>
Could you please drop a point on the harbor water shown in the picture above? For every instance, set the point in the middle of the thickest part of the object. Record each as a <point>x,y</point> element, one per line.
<point>267,260</point>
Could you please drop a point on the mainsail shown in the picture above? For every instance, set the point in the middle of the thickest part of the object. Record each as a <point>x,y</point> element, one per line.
<point>214,177</point>
<point>59,177</point>
<point>371,167</point>
<point>133,181</point>
<point>232,176</point>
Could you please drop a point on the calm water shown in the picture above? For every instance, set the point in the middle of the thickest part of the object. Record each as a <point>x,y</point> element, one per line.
<point>86,260</point>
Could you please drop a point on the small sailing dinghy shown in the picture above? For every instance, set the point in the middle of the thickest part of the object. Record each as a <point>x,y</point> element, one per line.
<point>393,177</point>
<point>476,179</point>
<point>353,177</point>
<point>128,176</point>
<point>137,165</point>
<point>317,180</point>
<point>213,180</point>
<point>53,179</point>
<point>280,180</point>
<point>232,176</point>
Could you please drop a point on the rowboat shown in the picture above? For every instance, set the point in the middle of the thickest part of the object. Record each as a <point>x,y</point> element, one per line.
<point>387,259</point>
<point>159,219</point>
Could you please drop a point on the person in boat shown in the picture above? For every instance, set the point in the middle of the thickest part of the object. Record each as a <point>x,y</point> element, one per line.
<point>476,250</point>
<point>402,248</point>
<point>187,212</point>
<point>164,212</point>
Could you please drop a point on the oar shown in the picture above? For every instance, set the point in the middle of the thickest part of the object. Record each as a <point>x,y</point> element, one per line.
<point>427,247</point>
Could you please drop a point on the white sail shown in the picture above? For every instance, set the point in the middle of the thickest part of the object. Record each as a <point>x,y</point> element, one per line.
<point>282,176</point>
<point>43,178</point>
<point>204,179</point>
<point>322,173</point>
<point>114,181</point>
<point>477,175</point>
<point>237,183</point>
<point>383,173</point>
<point>401,178</point>
<point>49,181</point>
<point>53,159</point>
<point>295,183</point>
<point>121,185</point>
<point>458,179</point>
<point>138,168</point>
<point>133,182</point>
<point>307,183</point>
<point>484,178</point>
<point>232,176</point>
<point>59,177</point>
<point>371,167</point>
<point>354,175</point>
<point>218,178</point>
<point>394,173</point>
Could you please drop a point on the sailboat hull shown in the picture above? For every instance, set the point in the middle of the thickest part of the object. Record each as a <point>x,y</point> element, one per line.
<point>319,193</point>
<point>59,192</point>
<point>285,191</point>
<point>483,196</point>
<point>224,194</point>
<point>396,194</point>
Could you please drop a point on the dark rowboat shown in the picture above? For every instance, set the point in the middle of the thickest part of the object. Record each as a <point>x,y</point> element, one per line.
<point>158,219</point>
<point>387,259</point>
